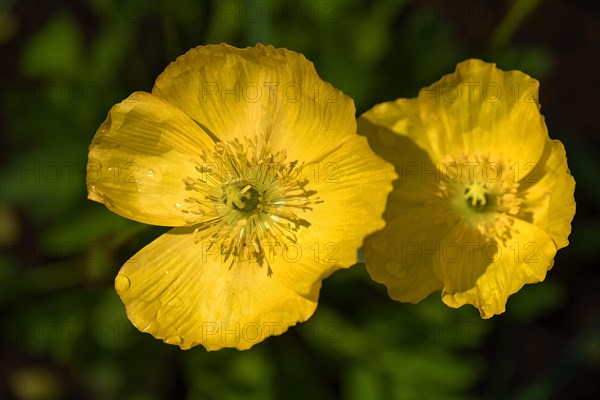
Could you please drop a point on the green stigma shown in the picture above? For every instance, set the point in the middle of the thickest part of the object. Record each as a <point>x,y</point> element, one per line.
<point>242,197</point>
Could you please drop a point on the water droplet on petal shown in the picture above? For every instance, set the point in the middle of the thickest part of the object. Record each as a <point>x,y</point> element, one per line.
<point>150,173</point>
<point>169,310</point>
<point>122,283</point>
<point>176,302</point>
<point>176,340</point>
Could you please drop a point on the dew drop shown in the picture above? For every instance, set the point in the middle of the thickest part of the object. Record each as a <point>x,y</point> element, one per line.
<point>122,283</point>
<point>169,309</point>
<point>176,302</point>
<point>176,340</point>
<point>150,173</point>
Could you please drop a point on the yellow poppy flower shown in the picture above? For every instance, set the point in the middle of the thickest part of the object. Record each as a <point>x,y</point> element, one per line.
<point>255,162</point>
<point>484,198</point>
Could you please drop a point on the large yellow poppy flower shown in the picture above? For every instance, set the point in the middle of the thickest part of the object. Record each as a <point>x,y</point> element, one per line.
<point>485,197</point>
<point>256,163</point>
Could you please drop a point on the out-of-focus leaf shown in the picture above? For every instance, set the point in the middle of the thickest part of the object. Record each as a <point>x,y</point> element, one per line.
<point>54,51</point>
<point>109,51</point>
<point>8,277</point>
<point>103,378</point>
<point>10,229</point>
<point>94,222</point>
<point>47,181</point>
<point>231,374</point>
<point>117,331</point>
<point>533,301</point>
<point>361,383</point>
<point>372,34</point>
<point>35,383</point>
<point>535,61</point>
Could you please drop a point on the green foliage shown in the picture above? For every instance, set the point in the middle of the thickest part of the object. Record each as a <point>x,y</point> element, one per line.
<point>66,333</point>
<point>55,51</point>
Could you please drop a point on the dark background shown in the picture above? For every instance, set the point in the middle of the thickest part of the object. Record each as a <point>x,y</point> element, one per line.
<point>64,332</point>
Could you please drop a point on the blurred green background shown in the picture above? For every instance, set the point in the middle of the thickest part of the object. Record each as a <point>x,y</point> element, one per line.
<point>64,333</point>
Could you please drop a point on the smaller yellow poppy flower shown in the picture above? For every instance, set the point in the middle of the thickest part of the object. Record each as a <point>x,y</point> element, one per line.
<point>255,162</point>
<point>485,197</point>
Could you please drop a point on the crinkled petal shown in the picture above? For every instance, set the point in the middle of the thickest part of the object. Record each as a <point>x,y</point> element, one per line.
<point>352,185</point>
<point>403,254</point>
<point>399,256</point>
<point>259,91</point>
<point>476,109</point>
<point>139,157</point>
<point>182,292</point>
<point>548,194</point>
<point>417,174</point>
<point>485,274</point>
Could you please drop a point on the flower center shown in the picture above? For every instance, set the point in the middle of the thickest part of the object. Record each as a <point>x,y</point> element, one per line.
<point>246,200</point>
<point>476,192</point>
<point>241,196</point>
<point>476,196</point>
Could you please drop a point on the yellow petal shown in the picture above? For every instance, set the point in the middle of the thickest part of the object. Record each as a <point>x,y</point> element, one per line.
<point>353,185</point>
<point>181,292</point>
<point>417,174</point>
<point>485,274</point>
<point>403,254</point>
<point>547,193</point>
<point>259,91</point>
<point>139,157</point>
<point>400,256</point>
<point>477,109</point>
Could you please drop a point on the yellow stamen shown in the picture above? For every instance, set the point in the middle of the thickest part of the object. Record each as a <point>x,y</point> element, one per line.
<point>247,197</point>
